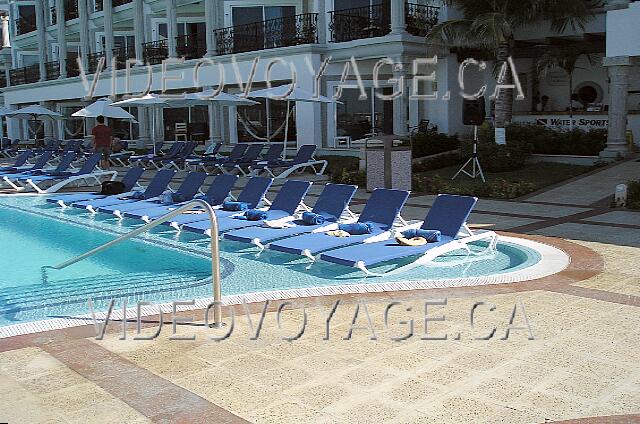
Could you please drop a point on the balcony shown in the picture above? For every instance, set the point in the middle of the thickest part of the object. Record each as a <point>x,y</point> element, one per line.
<point>360,22</point>
<point>24,26</point>
<point>421,19</point>
<point>52,70</point>
<point>191,46</point>
<point>122,55</point>
<point>3,81</point>
<point>280,32</point>
<point>70,11</point>
<point>93,59</point>
<point>98,5</point>
<point>25,75</point>
<point>155,52</point>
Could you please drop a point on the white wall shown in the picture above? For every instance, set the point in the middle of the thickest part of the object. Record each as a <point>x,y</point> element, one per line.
<point>623,31</point>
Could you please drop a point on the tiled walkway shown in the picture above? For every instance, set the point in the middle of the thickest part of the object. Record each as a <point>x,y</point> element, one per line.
<point>582,363</point>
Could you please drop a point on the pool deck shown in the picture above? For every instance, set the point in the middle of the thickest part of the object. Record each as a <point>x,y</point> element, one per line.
<point>582,364</point>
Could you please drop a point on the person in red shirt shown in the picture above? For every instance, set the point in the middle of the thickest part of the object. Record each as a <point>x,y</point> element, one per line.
<point>102,141</point>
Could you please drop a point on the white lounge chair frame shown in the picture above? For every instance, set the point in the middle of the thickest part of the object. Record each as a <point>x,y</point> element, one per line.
<point>77,179</point>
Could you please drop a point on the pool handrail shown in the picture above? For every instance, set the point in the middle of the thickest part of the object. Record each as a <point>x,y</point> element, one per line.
<point>215,250</point>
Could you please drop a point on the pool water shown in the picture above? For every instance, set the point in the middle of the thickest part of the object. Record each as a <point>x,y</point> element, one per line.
<point>160,266</point>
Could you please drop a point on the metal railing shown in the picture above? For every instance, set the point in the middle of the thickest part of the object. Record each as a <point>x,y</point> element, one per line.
<point>155,52</point>
<point>93,60</point>
<point>360,22</point>
<point>420,19</point>
<point>24,75</point>
<point>52,70</point>
<point>122,55</point>
<point>99,4</point>
<point>191,46</point>
<point>279,32</point>
<point>215,250</point>
<point>3,81</point>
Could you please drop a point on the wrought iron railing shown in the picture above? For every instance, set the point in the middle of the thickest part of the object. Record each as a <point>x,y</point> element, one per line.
<point>52,70</point>
<point>72,67</point>
<point>70,11</point>
<point>24,26</point>
<point>360,22</point>
<point>420,18</point>
<point>3,81</point>
<point>122,55</point>
<point>155,52</point>
<point>117,3</point>
<point>99,4</point>
<point>25,75</point>
<point>280,32</point>
<point>191,46</point>
<point>93,60</point>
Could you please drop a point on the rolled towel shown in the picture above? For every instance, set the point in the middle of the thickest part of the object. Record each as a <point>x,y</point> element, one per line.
<point>357,228</point>
<point>178,197</point>
<point>167,199</point>
<point>431,236</point>
<point>235,206</point>
<point>255,215</point>
<point>310,218</point>
<point>137,195</point>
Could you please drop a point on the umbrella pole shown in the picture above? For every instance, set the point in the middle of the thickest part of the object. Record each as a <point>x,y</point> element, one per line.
<point>268,120</point>
<point>286,131</point>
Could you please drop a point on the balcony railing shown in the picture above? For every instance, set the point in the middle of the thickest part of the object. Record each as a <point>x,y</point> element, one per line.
<point>24,26</point>
<point>420,18</point>
<point>360,22</point>
<point>115,3</point>
<point>25,75</point>
<point>191,46</point>
<point>3,81</point>
<point>122,55</point>
<point>93,59</point>
<point>155,52</point>
<point>70,11</point>
<point>52,70</point>
<point>280,32</point>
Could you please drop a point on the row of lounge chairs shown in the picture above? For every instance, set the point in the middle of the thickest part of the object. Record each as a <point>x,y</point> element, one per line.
<point>282,225</point>
<point>43,177</point>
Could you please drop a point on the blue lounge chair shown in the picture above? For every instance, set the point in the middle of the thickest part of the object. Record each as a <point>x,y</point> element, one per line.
<point>448,215</point>
<point>250,155</point>
<point>129,181</point>
<point>180,158</point>
<point>303,159</point>
<point>14,180</point>
<point>273,154</point>
<point>211,162</point>
<point>284,206</point>
<point>129,155</point>
<point>252,194</point>
<point>20,162</point>
<point>10,149</point>
<point>155,188</point>
<point>381,211</point>
<point>152,159</point>
<point>85,175</point>
<point>217,193</point>
<point>187,190</point>
<point>331,204</point>
<point>40,163</point>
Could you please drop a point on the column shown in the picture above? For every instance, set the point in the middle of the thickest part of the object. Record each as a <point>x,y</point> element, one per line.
<point>143,126</point>
<point>6,39</point>
<point>210,18</point>
<point>398,17</point>
<point>309,128</point>
<point>172,26</point>
<point>618,69</point>
<point>83,14</point>
<point>320,7</point>
<point>215,134</point>
<point>107,7</point>
<point>42,40</point>
<point>62,38</point>
<point>138,27</point>
<point>400,103</point>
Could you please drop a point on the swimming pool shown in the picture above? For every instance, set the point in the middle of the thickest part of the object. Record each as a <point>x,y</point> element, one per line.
<point>162,267</point>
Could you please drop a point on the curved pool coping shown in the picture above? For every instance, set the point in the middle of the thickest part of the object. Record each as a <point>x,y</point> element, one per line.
<point>553,260</point>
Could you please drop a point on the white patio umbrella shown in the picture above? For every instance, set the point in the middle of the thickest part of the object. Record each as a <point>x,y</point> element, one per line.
<point>103,107</point>
<point>35,113</point>
<point>295,94</point>
<point>154,101</point>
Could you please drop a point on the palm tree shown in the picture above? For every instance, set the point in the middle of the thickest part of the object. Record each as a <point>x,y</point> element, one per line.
<point>565,58</point>
<point>490,25</point>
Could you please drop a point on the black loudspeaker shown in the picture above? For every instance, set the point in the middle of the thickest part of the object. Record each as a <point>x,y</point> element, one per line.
<point>473,111</point>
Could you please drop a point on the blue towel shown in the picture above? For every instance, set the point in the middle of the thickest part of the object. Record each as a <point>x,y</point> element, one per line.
<point>178,197</point>
<point>432,236</point>
<point>167,199</point>
<point>357,228</point>
<point>255,215</point>
<point>310,218</point>
<point>235,206</point>
<point>137,195</point>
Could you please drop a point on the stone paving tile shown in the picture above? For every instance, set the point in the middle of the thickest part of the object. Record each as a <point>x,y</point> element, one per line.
<point>618,217</point>
<point>595,233</point>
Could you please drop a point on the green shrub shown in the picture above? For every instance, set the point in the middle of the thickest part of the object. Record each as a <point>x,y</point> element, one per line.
<point>433,143</point>
<point>339,164</point>
<point>549,141</point>
<point>496,189</point>
<point>498,158</point>
<point>441,161</point>
<point>633,194</point>
<point>358,178</point>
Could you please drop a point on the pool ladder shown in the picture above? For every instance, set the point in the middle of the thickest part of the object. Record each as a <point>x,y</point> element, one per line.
<point>215,251</point>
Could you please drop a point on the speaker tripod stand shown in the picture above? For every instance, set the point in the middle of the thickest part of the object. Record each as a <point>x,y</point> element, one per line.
<point>476,169</point>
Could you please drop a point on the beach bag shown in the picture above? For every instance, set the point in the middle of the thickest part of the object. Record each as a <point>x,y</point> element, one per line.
<point>112,187</point>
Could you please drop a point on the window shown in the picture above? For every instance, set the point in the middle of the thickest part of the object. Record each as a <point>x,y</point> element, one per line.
<point>247,15</point>
<point>358,119</point>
